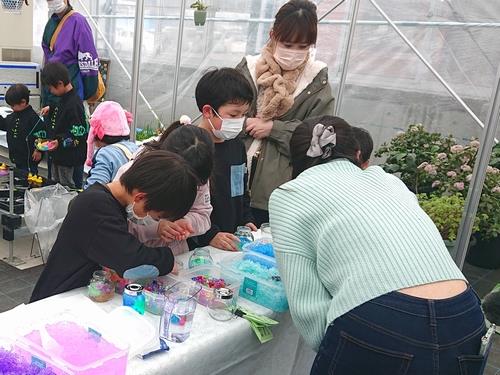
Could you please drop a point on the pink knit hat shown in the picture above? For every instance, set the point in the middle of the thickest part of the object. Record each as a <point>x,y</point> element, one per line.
<point>109,118</point>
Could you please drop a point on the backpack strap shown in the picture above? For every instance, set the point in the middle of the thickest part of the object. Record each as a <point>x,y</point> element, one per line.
<point>125,150</point>
<point>58,29</point>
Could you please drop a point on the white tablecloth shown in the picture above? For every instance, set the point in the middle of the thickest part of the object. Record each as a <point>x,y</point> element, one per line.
<point>213,347</point>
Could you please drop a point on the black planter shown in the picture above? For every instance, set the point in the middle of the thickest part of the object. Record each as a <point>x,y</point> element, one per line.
<point>485,253</point>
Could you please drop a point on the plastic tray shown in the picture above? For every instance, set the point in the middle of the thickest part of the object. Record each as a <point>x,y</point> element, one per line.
<point>70,346</point>
<point>209,271</point>
<point>266,288</point>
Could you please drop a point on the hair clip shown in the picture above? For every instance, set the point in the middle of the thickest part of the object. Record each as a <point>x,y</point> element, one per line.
<point>185,120</point>
<point>322,136</point>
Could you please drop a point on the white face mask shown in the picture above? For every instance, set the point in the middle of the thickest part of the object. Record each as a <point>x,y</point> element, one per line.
<point>132,216</point>
<point>229,129</point>
<point>289,59</point>
<point>56,6</point>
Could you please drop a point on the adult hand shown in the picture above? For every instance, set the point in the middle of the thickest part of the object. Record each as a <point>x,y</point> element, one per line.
<point>45,110</point>
<point>225,241</point>
<point>37,156</point>
<point>252,226</point>
<point>258,128</point>
<point>177,230</point>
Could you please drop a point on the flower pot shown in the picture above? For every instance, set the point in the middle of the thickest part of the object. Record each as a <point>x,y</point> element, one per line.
<point>485,253</point>
<point>200,17</point>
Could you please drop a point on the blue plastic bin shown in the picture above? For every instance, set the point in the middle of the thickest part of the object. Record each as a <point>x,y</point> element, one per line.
<point>260,281</point>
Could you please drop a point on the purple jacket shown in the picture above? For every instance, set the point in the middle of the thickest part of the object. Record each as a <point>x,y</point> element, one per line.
<point>74,47</point>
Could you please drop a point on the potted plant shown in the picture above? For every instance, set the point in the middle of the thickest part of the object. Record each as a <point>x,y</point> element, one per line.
<point>446,213</point>
<point>407,150</point>
<point>200,12</point>
<point>451,173</point>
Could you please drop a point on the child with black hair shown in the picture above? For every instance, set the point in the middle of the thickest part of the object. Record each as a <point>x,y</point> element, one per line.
<point>94,233</point>
<point>110,135</point>
<point>67,125</point>
<point>23,126</point>
<point>197,148</point>
<point>365,142</point>
<point>223,97</point>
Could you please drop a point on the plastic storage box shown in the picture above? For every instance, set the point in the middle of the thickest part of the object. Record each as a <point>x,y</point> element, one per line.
<point>68,346</point>
<point>155,302</point>
<point>260,280</point>
<point>212,272</point>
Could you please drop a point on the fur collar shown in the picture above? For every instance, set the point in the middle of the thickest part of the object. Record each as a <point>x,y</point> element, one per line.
<point>311,70</point>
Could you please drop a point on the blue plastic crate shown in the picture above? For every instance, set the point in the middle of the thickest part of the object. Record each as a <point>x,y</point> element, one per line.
<point>260,281</point>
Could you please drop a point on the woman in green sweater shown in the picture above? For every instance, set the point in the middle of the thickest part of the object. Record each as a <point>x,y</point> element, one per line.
<point>370,283</point>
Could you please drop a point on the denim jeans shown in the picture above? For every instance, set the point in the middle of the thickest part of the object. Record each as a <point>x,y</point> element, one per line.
<point>397,334</point>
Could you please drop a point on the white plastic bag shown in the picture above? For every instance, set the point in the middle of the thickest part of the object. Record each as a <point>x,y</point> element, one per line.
<point>44,211</point>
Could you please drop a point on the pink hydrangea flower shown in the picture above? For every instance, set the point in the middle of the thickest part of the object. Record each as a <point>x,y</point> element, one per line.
<point>474,143</point>
<point>455,149</point>
<point>451,174</point>
<point>492,170</point>
<point>496,189</point>
<point>423,165</point>
<point>436,183</point>
<point>468,178</point>
<point>431,169</point>
<point>442,156</point>
<point>459,185</point>
<point>466,168</point>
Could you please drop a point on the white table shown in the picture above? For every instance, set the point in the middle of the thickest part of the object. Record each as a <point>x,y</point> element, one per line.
<point>213,347</point>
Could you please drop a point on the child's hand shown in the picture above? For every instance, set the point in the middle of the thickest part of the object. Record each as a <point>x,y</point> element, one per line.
<point>175,270</point>
<point>225,241</point>
<point>37,156</point>
<point>55,143</point>
<point>252,226</point>
<point>178,230</point>
<point>45,110</point>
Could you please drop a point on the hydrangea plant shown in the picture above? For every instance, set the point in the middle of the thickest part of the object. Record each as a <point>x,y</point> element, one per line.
<point>409,149</point>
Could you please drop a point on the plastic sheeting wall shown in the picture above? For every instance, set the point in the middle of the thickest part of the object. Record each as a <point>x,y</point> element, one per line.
<point>387,86</point>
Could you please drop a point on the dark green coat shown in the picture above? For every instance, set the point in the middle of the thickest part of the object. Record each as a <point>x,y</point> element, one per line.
<point>274,167</point>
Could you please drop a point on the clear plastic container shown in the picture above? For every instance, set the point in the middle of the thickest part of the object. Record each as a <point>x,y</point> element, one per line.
<point>67,345</point>
<point>260,280</point>
<point>180,305</point>
<point>231,281</point>
<point>245,236</point>
<point>154,293</point>
<point>200,257</point>
<point>101,288</point>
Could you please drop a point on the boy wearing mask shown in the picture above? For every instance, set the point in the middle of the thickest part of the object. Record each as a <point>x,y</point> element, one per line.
<point>223,97</point>
<point>95,234</point>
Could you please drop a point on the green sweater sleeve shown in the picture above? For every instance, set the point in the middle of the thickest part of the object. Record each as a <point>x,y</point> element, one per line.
<point>308,299</point>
